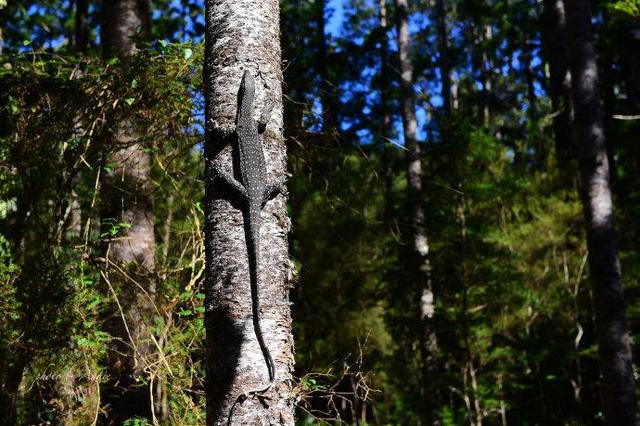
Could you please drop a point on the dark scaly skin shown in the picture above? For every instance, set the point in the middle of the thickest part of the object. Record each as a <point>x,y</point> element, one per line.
<point>253,176</point>
<point>254,193</point>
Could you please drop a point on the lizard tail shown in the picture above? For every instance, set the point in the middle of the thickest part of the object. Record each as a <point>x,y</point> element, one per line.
<point>254,251</point>
<point>251,232</point>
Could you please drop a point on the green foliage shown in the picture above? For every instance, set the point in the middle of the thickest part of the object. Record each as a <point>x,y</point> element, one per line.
<point>55,116</point>
<point>9,304</point>
<point>626,8</point>
<point>136,422</point>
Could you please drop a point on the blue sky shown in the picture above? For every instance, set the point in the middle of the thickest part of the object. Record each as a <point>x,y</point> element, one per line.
<point>335,21</point>
<point>334,26</point>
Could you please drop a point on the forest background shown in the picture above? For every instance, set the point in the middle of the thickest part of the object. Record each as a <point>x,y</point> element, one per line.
<point>513,315</point>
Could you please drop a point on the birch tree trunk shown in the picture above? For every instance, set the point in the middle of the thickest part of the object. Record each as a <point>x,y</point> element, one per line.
<point>244,35</point>
<point>613,338</point>
<point>128,205</point>
<point>416,205</point>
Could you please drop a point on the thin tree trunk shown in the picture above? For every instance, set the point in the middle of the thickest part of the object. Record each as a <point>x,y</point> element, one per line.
<point>128,209</point>
<point>483,67</point>
<point>416,201</point>
<point>13,367</point>
<point>81,29</point>
<point>613,338</point>
<point>1,27</point>
<point>474,404</point>
<point>385,109</point>
<point>445,56</point>
<point>487,71</point>
<point>527,59</point>
<point>608,92</point>
<point>244,35</point>
<point>556,52</point>
<point>633,89</point>
<point>74,226</point>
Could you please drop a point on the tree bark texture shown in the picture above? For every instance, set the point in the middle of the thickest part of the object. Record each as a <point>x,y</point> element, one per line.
<point>620,404</point>
<point>128,206</point>
<point>244,35</point>
<point>556,51</point>
<point>416,205</point>
<point>124,21</point>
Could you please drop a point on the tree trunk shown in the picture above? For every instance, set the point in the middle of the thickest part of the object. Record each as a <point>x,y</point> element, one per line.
<point>81,29</point>
<point>416,205</point>
<point>556,51</point>
<point>385,110</point>
<point>123,19</point>
<point>633,89</point>
<point>128,209</point>
<point>487,70</point>
<point>1,29</point>
<point>613,338</point>
<point>527,60</point>
<point>13,367</point>
<point>445,56</point>
<point>244,35</point>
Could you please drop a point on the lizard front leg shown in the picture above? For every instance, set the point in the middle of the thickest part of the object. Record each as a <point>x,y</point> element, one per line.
<point>230,184</point>
<point>217,138</point>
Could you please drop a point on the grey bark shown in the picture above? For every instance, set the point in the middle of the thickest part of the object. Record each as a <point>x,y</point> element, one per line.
<point>417,208</point>
<point>124,21</point>
<point>240,35</point>
<point>127,199</point>
<point>620,404</point>
<point>556,52</point>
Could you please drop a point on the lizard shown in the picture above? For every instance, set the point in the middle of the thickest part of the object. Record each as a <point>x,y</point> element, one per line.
<point>253,192</point>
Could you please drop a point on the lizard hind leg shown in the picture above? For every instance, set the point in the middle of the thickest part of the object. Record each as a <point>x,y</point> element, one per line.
<point>272,191</point>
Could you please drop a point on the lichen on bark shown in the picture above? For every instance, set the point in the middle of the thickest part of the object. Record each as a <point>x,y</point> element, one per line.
<point>243,35</point>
